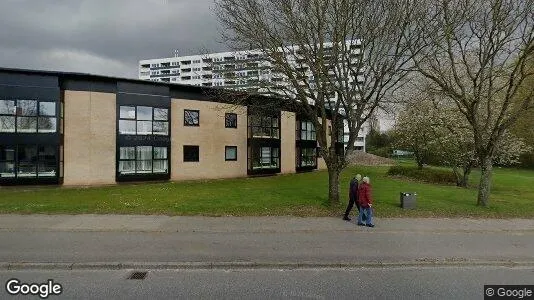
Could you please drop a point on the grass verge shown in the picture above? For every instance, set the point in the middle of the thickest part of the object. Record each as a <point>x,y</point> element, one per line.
<point>294,194</point>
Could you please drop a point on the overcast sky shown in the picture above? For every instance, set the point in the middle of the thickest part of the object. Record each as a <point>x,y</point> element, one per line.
<point>104,37</point>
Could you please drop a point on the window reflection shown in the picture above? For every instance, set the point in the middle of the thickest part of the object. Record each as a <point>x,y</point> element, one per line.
<point>143,120</point>
<point>28,116</point>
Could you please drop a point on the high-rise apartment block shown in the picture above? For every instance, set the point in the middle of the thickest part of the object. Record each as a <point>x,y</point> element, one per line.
<point>241,70</point>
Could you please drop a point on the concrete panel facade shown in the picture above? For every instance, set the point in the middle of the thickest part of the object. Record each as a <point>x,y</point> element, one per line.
<point>287,147</point>
<point>89,138</point>
<point>211,136</point>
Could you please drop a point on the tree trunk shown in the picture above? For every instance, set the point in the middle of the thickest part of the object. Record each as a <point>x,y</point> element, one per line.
<point>457,175</point>
<point>419,161</point>
<point>465,177</point>
<point>486,169</point>
<point>333,188</point>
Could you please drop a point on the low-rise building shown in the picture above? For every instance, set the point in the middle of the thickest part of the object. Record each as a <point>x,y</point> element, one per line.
<point>82,129</point>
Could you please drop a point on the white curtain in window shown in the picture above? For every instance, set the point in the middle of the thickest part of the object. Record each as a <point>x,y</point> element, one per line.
<point>127,153</point>
<point>127,166</point>
<point>160,166</point>
<point>144,152</point>
<point>265,155</point>
<point>144,166</point>
<point>160,152</point>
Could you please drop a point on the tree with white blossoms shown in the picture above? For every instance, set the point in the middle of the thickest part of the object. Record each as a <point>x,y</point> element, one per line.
<point>437,133</point>
<point>414,130</point>
<point>477,56</point>
<point>456,147</point>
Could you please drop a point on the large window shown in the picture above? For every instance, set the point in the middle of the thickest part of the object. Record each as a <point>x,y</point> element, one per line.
<point>143,160</point>
<point>308,157</point>
<point>28,161</point>
<point>191,153</point>
<point>307,131</point>
<point>143,120</point>
<point>265,158</point>
<point>230,120</point>
<point>264,127</point>
<point>28,116</point>
<point>191,117</point>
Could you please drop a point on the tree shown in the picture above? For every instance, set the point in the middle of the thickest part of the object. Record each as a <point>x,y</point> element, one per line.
<point>476,55</point>
<point>414,131</point>
<point>524,127</point>
<point>437,133</point>
<point>334,55</point>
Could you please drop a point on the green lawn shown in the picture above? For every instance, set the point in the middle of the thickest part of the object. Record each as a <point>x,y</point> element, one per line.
<point>294,194</point>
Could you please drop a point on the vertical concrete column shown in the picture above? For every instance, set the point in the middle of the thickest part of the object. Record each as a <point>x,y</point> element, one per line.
<point>89,138</point>
<point>287,147</point>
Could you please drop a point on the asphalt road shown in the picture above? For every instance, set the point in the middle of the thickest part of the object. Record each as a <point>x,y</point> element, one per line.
<point>358,283</point>
<point>365,246</point>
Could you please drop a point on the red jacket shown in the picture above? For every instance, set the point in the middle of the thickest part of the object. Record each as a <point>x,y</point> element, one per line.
<point>364,195</point>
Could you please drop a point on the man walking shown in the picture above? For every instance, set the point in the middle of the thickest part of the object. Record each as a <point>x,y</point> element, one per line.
<point>353,196</point>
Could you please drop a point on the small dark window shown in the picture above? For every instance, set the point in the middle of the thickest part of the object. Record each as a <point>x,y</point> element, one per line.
<point>230,120</point>
<point>191,117</point>
<point>190,153</point>
<point>230,153</point>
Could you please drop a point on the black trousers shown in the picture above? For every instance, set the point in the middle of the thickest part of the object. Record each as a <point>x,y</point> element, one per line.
<point>350,205</point>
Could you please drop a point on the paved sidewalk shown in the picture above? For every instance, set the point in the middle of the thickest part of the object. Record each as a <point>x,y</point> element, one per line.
<point>154,223</point>
<point>163,242</point>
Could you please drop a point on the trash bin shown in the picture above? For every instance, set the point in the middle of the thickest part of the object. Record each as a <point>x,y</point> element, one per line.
<point>408,200</point>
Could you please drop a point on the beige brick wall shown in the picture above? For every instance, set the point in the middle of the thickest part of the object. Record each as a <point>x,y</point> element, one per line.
<point>287,147</point>
<point>89,138</point>
<point>211,137</point>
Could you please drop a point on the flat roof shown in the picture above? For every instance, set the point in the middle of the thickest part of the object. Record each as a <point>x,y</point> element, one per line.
<point>214,94</point>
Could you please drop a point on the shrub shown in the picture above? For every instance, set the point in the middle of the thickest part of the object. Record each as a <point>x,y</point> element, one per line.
<point>425,174</point>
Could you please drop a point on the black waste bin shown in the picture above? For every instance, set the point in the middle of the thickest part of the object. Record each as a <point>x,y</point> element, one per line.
<point>408,200</point>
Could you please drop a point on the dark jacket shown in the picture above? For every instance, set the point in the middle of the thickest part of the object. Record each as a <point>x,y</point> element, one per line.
<point>364,195</point>
<point>353,189</point>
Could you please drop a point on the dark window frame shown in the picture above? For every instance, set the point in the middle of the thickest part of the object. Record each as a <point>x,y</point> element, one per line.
<point>261,128</point>
<point>37,117</point>
<point>135,160</point>
<point>189,157</point>
<point>136,120</point>
<point>36,162</point>
<point>301,131</point>
<point>226,157</point>
<point>313,156</point>
<point>230,123</point>
<point>259,158</point>
<point>198,117</point>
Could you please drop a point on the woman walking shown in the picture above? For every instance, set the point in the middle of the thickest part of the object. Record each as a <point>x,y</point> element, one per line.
<point>366,203</point>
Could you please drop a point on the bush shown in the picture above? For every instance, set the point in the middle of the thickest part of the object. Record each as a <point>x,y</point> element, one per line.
<point>527,160</point>
<point>425,174</point>
<point>383,151</point>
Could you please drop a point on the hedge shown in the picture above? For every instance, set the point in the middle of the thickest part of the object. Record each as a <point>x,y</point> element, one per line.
<point>425,174</point>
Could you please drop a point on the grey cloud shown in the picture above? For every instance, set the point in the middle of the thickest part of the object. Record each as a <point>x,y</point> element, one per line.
<point>102,36</point>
